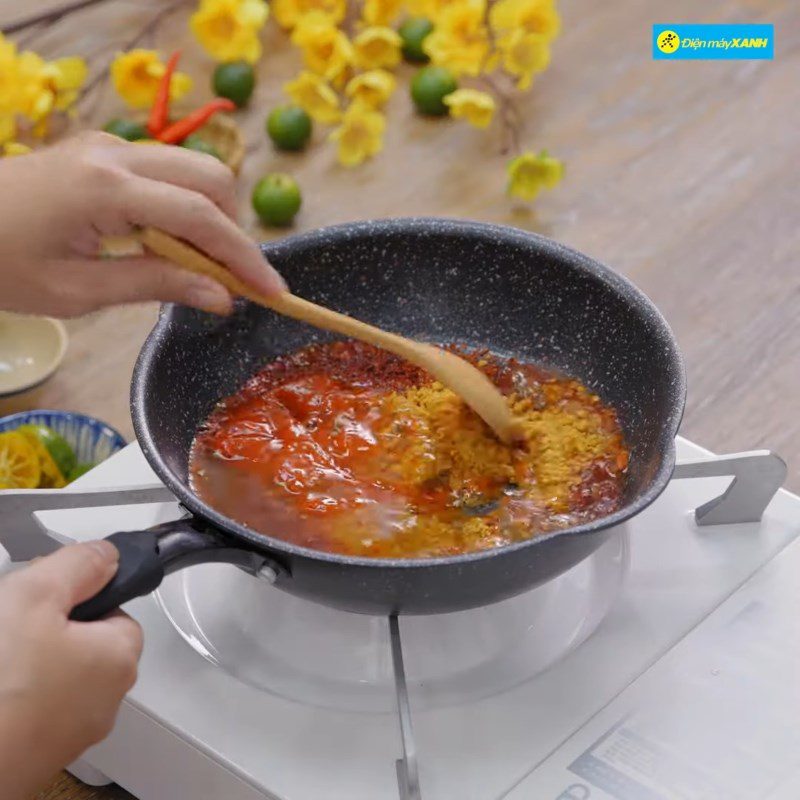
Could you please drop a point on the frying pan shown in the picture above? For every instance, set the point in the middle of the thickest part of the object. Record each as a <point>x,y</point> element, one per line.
<point>439,280</point>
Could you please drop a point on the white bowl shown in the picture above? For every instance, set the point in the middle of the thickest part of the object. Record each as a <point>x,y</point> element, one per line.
<point>31,349</point>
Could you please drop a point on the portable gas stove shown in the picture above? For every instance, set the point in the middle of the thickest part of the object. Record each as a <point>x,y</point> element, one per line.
<point>647,672</point>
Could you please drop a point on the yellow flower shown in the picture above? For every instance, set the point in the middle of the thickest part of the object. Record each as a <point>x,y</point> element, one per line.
<point>315,97</point>
<point>377,47</point>
<point>10,84</point>
<point>136,75</point>
<point>37,100</point>
<point>33,88</point>
<point>15,149</point>
<point>228,29</point>
<point>371,88</point>
<point>46,86</point>
<point>475,107</point>
<point>460,41</point>
<point>66,75</point>
<point>326,50</point>
<point>525,16</point>
<point>528,174</point>
<point>8,127</point>
<point>289,13</point>
<point>523,55</point>
<point>381,12</point>
<point>360,136</point>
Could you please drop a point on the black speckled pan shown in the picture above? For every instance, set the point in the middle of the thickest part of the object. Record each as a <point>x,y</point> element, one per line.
<point>440,280</point>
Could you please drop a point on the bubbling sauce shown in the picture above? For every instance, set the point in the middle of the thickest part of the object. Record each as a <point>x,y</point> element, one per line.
<point>346,448</point>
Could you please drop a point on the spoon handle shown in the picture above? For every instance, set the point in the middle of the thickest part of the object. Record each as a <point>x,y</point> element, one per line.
<point>191,259</point>
<point>466,380</point>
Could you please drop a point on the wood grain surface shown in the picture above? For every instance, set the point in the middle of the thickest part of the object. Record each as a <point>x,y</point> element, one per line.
<point>681,175</point>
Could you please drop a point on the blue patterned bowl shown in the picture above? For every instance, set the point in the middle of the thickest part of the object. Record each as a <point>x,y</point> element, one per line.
<point>92,440</point>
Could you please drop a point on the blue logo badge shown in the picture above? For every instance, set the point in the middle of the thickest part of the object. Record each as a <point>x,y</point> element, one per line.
<point>711,42</point>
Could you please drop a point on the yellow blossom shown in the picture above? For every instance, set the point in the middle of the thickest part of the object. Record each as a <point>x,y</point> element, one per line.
<point>528,174</point>
<point>381,12</point>
<point>475,107</point>
<point>228,29</point>
<point>15,149</point>
<point>9,91</point>
<point>377,47</point>
<point>136,75</point>
<point>36,98</point>
<point>326,49</point>
<point>315,97</point>
<point>460,40</point>
<point>371,88</point>
<point>66,75</point>
<point>289,13</point>
<point>523,55</point>
<point>46,86</point>
<point>360,136</point>
<point>10,84</point>
<point>32,87</point>
<point>8,127</point>
<point>525,16</point>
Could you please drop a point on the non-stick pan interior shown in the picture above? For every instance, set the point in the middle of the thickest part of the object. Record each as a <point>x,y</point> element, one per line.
<point>439,280</point>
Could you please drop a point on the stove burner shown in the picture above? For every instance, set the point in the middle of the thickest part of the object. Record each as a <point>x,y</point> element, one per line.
<point>319,656</point>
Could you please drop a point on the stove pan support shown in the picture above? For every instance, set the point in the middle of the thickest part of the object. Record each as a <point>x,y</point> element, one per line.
<point>407,772</point>
<point>22,535</point>
<point>757,476</point>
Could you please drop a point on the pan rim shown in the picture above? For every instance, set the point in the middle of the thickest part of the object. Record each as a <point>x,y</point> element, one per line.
<point>422,225</point>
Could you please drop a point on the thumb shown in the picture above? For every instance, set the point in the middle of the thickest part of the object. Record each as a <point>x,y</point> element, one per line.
<point>76,572</point>
<point>141,278</point>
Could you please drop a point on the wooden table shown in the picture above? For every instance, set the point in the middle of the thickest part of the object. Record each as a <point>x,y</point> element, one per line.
<point>683,176</point>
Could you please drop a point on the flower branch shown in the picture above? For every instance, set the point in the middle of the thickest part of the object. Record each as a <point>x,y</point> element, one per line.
<point>474,60</point>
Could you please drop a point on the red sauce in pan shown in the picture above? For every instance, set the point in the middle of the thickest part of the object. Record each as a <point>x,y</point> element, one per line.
<point>333,448</point>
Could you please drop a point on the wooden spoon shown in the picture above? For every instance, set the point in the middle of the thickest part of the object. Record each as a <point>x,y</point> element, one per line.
<point>467,381</point>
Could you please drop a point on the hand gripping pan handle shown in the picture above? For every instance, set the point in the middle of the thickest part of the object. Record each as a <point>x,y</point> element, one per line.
<point>145,557</point>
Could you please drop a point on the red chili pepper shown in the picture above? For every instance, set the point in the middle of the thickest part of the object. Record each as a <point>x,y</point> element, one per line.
<point>179,130</point>
<point>158,114</point>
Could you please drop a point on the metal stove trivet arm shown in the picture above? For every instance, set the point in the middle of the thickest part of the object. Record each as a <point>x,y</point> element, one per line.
<point>22,535</point>
<point>407,772</point>
<point>757,476</point>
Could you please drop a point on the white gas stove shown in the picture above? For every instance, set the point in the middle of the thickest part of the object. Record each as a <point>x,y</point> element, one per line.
<point>664,666</point>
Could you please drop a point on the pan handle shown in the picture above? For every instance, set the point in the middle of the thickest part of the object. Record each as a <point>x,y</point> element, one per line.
<point>145,557</point>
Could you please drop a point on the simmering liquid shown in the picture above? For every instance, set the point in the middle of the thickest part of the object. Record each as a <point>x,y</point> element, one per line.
<point>346,448</point>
